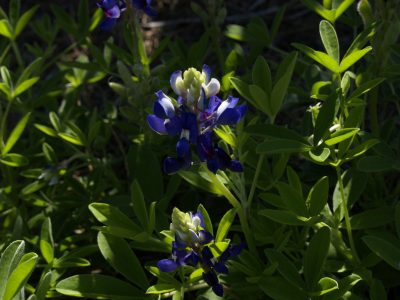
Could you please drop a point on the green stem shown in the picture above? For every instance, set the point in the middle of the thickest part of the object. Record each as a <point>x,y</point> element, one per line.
<point>3,55</point>
<point>17,54</point>
<point>255,179</point>
<point>3,124</point>
<point>346,216</point>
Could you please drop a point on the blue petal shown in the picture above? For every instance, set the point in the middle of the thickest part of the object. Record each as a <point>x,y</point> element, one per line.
<point>178,243</point>
<point>224,159</point>
<point>114,12</point>
<point>106,4</point>
<point>182,147</point>
<point>218,289</point>
<point>163,107</point>
<point>207,72</point>
<point>212,280</point>
<point>191,258</point>
<point>205,145</point>
<point>156,124</point>
<point>189,122</point>
<point>221,268</point>
<point>167,265</point>
<point>235,166</point>
<point>230,116</point>
<point>232,101</point>
<point>172,165</point>
<point>173,126</point>
<point>107,23</point>
<point>213,165</point>
<point>213,103</point>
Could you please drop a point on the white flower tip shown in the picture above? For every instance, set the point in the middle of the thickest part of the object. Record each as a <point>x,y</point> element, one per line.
<point>212,88</point>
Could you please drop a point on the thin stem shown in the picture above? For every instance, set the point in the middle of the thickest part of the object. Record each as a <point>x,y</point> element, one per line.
<point>3,124</point>
<point>346,216</point>
<point>255,179</point>
<point>3,55</point>
<point>17,54</point>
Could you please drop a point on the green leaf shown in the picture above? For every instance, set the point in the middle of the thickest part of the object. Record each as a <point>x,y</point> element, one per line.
<point>227,137</point>
<point>160,288</point>
<point>262,74</point>
<point>366,87</point>
<point>320,57</point>
<point>278,146</point>
<point>6,90</point>
<point>372,218</point>
<point>70,138</point>
<point>47,130</point>
<point>319,154</point>
<point>341,135</point>
<point>98,287</point>
<point>8,261</point>
<point>362,39</point>
<point>284,217</point>
<point>384,249</point>
<point>120,256</point>
<point>274,131</point>
<point>243,89</point>
<point>5,29</point>
<point>225,225</point>
<point>25,85</point>
<point>20,275</point>
<point>325,285</point>
<point>262,99</point>
<point>376,163</point>
<point>294,180</point>
<point>315,257</point>
<point>325,118</point>
<point>199,181</point>
<point>70,262</point>
<point>342,8</point>
<point>139,204</point>
<point>14,160</point>
<point>322,11</point>
<point>361,149</point>
<point>96,19</point>
<point>318,196</point>
<point>32,68</point>
<point>377,290</point>
<point>46,241</point>
<point>293,200</point>
<point>279,289</point>
<point>329,39</point>
<point>352,58</point>
<point>115,219</point>
<point>345,285</point>
<point>280,88</point>
<point>43,286</point>
<point>15,134</point>
<point>25,18</point>
<point>206,217</point>
<point>285,267</point>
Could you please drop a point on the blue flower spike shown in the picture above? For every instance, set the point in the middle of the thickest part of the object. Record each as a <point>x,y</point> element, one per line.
<point>197,113</point>
<point>191,247</point>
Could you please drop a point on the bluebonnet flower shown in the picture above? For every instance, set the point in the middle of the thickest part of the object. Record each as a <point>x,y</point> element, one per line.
<point>113,8</point>
<point>194,116</point>
<point>215,156</point>
<point>191,247</point>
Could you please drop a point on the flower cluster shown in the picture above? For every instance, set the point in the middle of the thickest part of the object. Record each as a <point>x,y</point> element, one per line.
<point>113,8</point>
<point>192,246</point>
<point>193,117</point>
